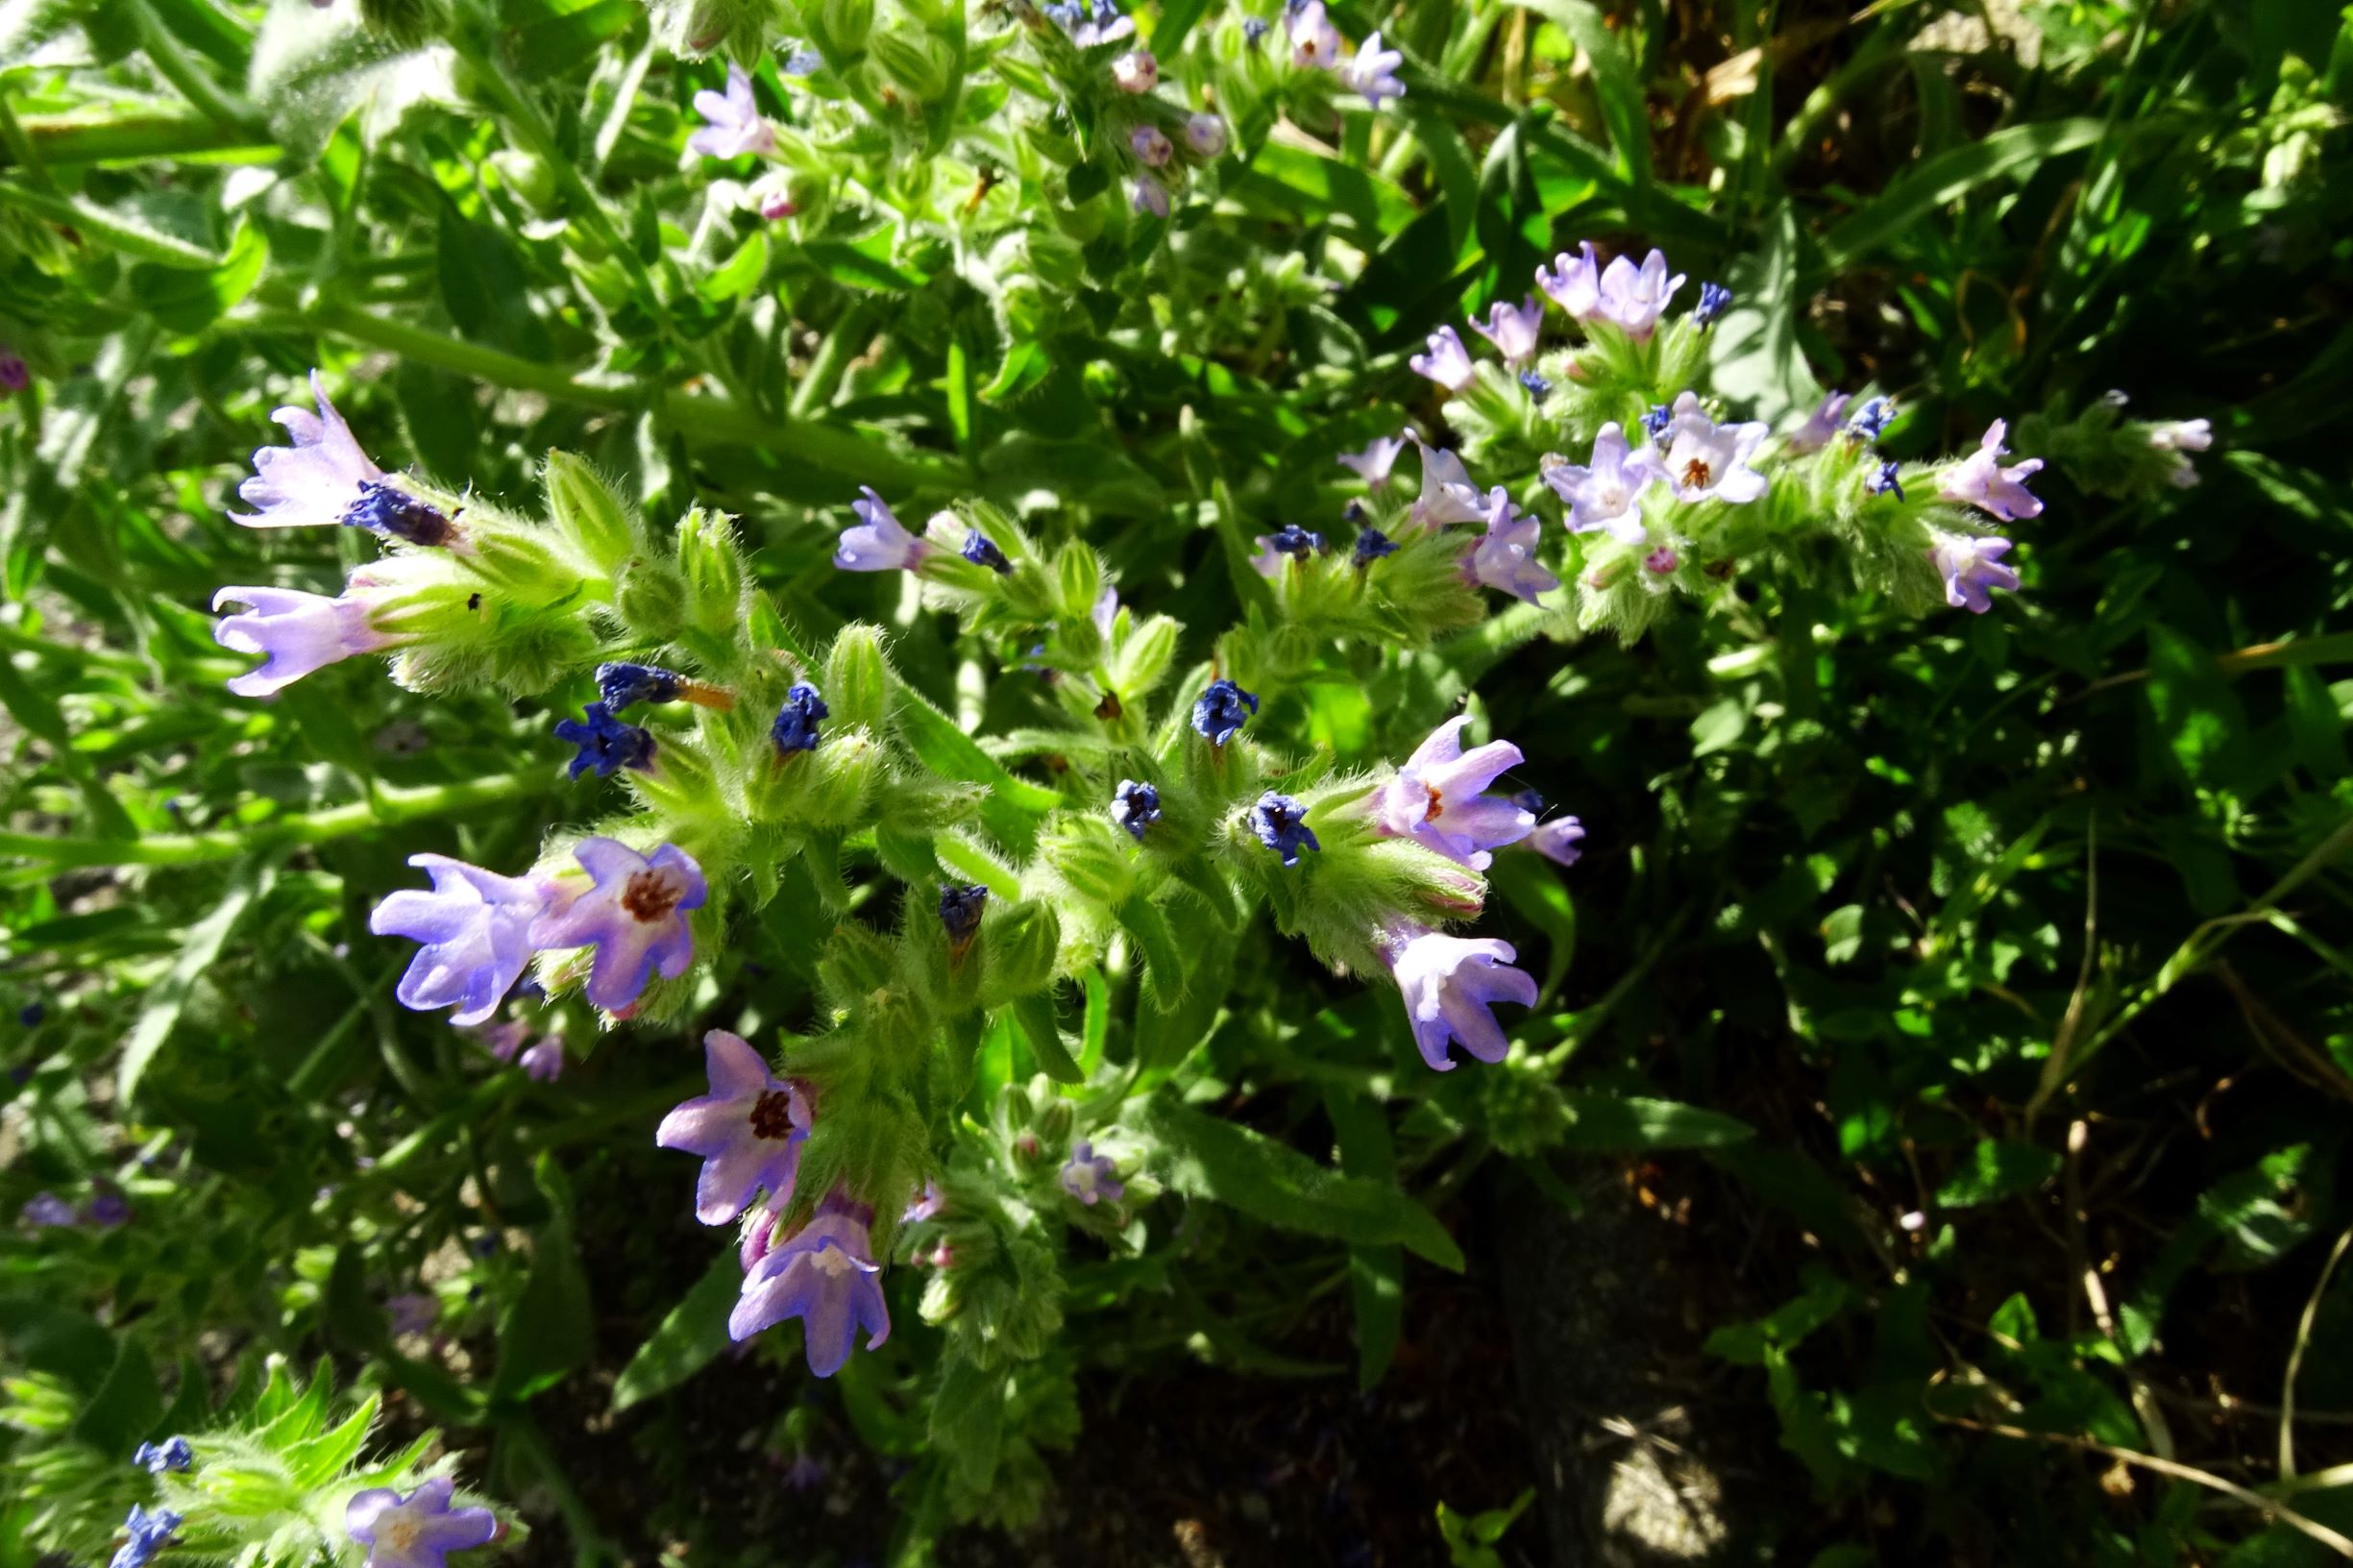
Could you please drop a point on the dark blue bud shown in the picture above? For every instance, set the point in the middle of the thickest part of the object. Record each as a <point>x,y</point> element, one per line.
<point>1217,713</point>
<point>1538,386</point>
<point>1714,297</point>
<point>625,685</point>
<point>1253,30</point>
<point>1134,807</point>
<point>796,726</point>
<point>30,1015</point>
<point>1294,541</point>
<point>172,1454</point>
<point>981,550</point>
<point>1371,545</point>
<point>606,744</point>
<point>1658,420</point>
<point>1883,483</point>
<point>960,910</point>
<point>1530,801</point>
<point>380,508</point>
<point>1281,825</point>
<point>1870,420</point>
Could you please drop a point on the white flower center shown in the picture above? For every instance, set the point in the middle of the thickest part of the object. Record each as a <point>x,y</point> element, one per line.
<point>832,1262</point>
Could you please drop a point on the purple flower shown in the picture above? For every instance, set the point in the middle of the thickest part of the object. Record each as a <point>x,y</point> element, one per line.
<point>877,543</point>
<point>15,374</point>
<point>634,916</point>
<point>825,1275</point>
<point>1662,561</point>
<point>807,1471</point>
<point>45,1210</point>
<point>1218,712</point>
<point>606,744</point>
<point>961,908</point>
<point>1819,425</point>
<point>1654,423</point>
<point>296,634</point>
<point>1090,1177</point>
<point>1281,824</point>
<point>1315,43</point>
<point>1090,22</point>
<point>1714,299</point>
<point>1559,840</point>
<point>1607,492</point>
<point>1106,612</point>
<point>1151,146</point>
<point>503,1040</point>
<point>625,685</point>
<point>107,1210</point>
<point>749,1129</point>
<point>476,926</point>
<point>1135,71</point>
<point>1372,465</point>
<point>732,125</point>
<point>981,550</point>
<point>1884,480</point>
<point>803,63</point>
<point>1707,461</point>
<point>1971,566</point>
<point>927,1204</point>
<point>1134,807</point>
<point>412,1313</point>
<point>1371,545</point>
<point>1980,480</point>
<point>419,1531</point>
<point>1288,541</point>
<point>1373,72</point>
<point>1450,984</point>
<point>1448,495</point>
<point>1513,331</point>
<point>796,726</point>
<point>172,1453</point>
<point>544,1062</point>
<point>1149,196</point>
<point>1504,557</point>
<point>1575,282</point>
<point>1636,297</point>
<point>1447,364</point>
<point>1537,387</point>
<point>317,480</point>
<point>1206,136</point>
<point>148,1532</point>
<point>1435,798</point>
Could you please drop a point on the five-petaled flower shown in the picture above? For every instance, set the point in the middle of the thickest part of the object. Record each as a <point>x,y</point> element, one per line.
<point>1372,72</point>
<point>1372,465</point>
<point>633,915</point>
<point>732,125</point>
<point>606,744</point>
<point>1448,495</point>
<point>1435,799</point>
<point>1218,711</point>
<point>1819,425</point>
<point>1447,364</point>
<point>1969,566</point>
<point>1633,297</point>
<point>1281,825</point>
<point>476,926</point>
<point>1504,557</point>
<point>1315,43</point>
<point>877,543</point>
<point>749,1130</point>
<point>1090,1177</point>
<point>796,726</point>
<point>1980,479</point>
<point>1450,985</point>
<point>824,1274</point>
<point>1512,329</point>
<point>1559,840</point>
<point>1707,461</point>
<point>324,477</point>
<point>1134,807</point>
<point>1607,493</point>
<point>171,1454</point>
<point>419,1531</point>
<point>1574,283</point>
<point>296,634</point>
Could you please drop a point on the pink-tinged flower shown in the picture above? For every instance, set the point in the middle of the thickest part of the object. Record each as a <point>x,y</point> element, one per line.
<point>877,543</point>
<point>1150,196</point>
<point>771,197</point>
<point>315,481</point>
<point>759,1235</point>
<point>1513,331</point>
<point>1662,561</point>
<point>1607,492</point>
<point>1561,839</point>
<point>1636,297</point>
<point>1372,465</point>
<point>748,1130</point>
<point>1447,364</point>
<point>1448,495</point>
<point>1819,425</point>
<point>1373,72</point>
<point>926,1204</point>
<point>1315,43</point>
<point>1435,798</point>
<point>1971,566</point>
<point>1708,461</point>
<point>731,122</point>
<point>476,926</point>
<point>1206,136</point>
<point>634,916</point>
<point>1090,1177</point>
<point>1575,282</point>
<point>1135,71</point>
<point>1090,22</point>
<point>419,1531</point>
<point>296,634</point>
<point>1151,146</point>
<point>544,1062</point>
<point>1980,479</point>
<point>826,1275</point>
<point>1505,558</point>
<point>1450,984</point>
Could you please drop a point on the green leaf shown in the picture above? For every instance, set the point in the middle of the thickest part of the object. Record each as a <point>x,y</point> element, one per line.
<point>1035,1014</point>
<point>1947,177</point>
<point>188,301</point>
<point>1375,1274</point>
<point>546,1332</point>
<point>1616,81</point>
<point>1608,1124</point>
<point>687,1340</point>
<point>126,1406</point>
<point>1011,806</point>
<point>170,995</point>
<point>1997,1168</point>
<point>968,1417</point>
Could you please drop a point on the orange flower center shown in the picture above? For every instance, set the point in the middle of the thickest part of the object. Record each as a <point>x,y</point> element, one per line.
<point>1697,474</point>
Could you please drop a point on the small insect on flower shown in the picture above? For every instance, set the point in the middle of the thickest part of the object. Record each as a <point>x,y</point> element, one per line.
<point>606,744</point>
<point>1371,545</point>
<point>1218,711</point>
<point>1089,1177</point>
<point>981,550</point>
<point>797,720</point>
<point>961,908</point>
<point>419,1531</point>
<point>172,1453</point>
<point>1281,825</point>
<point>1134,807</point>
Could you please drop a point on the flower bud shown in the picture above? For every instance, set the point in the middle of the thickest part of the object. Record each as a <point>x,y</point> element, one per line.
<point>1053,1123</point>
<point>652,599</point>
<point>529,176</point>
<point>1027,1149</point>
<point>1019,959</point>
<point>857,679</point>
<point>590,517</point>
<point>920,61</point>
<point>713,569</point>
<point>1079,583</point>
<point>1143,661</point>
<point>856,962</point>
<point>1092,857</point>
<point>841,26</point>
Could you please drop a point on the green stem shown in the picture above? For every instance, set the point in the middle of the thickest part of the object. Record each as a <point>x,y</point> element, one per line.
<point>187,78</point>
<point>138,138</point>
<point>392,806</point>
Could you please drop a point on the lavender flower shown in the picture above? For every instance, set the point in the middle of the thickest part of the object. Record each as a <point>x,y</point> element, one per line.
<point>625,685</point>
<point>107,1210</point>
<point>1435,798</point>
<point>1315,43</point>
<point>1883,482</point>
<point>1707,461</point>
<point>1149,196</point>
<point>749,1130</point>
<point>1448,495</point>
<point>1819,425</point>
<point>981,550</point>
<point>296,634</point>
<point>803,63</point>
<point>1447,364</point>
<point>1282,826</point>
<point>45,1210</point>
<point>634,916</point>
<point>1971,566</point>
<point>1980,479</point>
<point>1450,985</point>
<point>1371,545</point>
<point>15,374</point>
<point>961,907</point>
<point>607,745</point>
<point>796,726</point>
<point>927,1204</point>
<point>1559,840</point>
<point>1575,282</point>
<point>1151,146</point>
<point>1373,72</point>
<point>1134,807</point>
<point>148,1533</point>
<point>1714,299</point>
<point>877,543</point>
<point>825,1275</point>
<point>1135,71</point>
<point>317,480</point>
<point>1372,465</point>
<point>1090,22</point>
<point>171,1454</point>
<point>1090,1177</point>
<point>1513,331</point>
<point>1505,558</point>
<point>732,125</point>
<point>419,1531</point>
<point>1872,420</point>
<point>476,926</point>
<point>1634,297</point>
<point>412,1312</point>
<point>1607,492</point>
<point>1218,712</point>
<point>1206,136</point>
<point>544,1062</point>
<point>807,1472</point>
